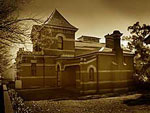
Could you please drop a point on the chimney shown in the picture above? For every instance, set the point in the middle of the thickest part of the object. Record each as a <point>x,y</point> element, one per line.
<point>113,41</point>
<point>116,37</point>
<point>109,41</point>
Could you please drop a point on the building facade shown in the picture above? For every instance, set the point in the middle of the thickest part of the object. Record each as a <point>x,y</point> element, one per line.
<point>83,65</point>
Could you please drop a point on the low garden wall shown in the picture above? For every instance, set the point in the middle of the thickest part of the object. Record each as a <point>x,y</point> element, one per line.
<point>8,108</point>
<point>5,101</point>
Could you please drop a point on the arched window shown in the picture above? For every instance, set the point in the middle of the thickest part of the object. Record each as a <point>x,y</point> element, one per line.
<point>60,42</point>
<point>91,74</point>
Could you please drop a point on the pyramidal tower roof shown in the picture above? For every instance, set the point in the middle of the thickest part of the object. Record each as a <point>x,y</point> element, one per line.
<point>57,20</point>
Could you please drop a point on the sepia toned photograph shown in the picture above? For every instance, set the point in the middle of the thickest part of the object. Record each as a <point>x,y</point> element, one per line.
<point>74,56</point>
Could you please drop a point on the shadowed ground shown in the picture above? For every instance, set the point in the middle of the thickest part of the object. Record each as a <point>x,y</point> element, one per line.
<point>44,94</point>
<point>62,101</point>
<point>100,105</point>
<point>59,94</point>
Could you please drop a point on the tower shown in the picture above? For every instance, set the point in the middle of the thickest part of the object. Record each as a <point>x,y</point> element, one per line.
<point>55,34</point>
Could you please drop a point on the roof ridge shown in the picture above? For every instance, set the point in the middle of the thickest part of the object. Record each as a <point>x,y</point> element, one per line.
<point>50,16</point>
<point>56,19</point>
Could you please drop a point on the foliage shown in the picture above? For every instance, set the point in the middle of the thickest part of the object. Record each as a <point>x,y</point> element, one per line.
<point>18,103</point>
<point>142,51</point>
<point>40,38</point>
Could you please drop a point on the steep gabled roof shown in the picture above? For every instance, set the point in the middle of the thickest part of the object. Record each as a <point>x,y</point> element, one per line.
<point>57,20</point>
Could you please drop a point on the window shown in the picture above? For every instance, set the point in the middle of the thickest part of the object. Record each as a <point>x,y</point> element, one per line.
<point>33,69</point>
<point>60,42</point>
<point>91,74</point>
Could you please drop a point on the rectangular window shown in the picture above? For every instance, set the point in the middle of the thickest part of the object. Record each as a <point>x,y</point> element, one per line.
<point>33,69</point>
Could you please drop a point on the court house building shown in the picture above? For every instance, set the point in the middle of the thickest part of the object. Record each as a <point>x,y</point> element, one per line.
<point>82,65</point>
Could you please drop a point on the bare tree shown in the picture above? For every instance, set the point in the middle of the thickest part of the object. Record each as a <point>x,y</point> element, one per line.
<point>12,30</point>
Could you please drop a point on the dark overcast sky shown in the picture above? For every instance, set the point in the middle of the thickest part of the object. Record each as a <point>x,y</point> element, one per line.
<point>94,17</point>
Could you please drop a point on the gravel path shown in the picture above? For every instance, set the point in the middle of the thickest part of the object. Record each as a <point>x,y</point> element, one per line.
<point>100,105</point>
